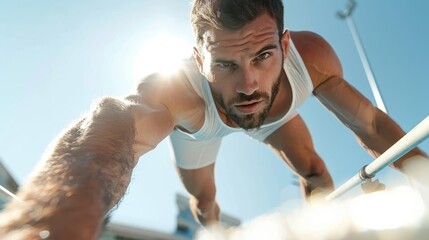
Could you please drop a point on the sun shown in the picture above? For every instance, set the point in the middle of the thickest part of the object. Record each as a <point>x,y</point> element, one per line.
<point>163,54</point>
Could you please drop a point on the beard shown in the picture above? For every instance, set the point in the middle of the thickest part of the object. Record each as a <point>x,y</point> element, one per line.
<point>249,121</point>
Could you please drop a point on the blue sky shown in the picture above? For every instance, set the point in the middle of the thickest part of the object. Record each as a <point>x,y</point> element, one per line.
<point>58,56</point>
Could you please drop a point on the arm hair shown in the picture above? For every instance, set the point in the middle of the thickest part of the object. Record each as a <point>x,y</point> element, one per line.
<point>83,175</point>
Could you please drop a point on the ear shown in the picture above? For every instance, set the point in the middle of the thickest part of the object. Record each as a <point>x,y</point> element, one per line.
<point>198,59</point>
<point>285,43</point>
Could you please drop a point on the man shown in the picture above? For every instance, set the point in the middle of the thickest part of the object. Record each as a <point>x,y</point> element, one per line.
<point>246,74</point>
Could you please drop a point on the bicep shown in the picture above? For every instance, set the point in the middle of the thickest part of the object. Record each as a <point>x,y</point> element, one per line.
<point>152,112</point>
<point>152,124</point>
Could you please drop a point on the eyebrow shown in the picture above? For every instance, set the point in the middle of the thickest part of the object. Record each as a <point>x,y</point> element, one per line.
<point>265,48</point>
<point>222,61</point>
<point>268,47</point>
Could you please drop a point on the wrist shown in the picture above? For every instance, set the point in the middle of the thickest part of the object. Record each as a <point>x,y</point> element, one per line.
<point>417,167</point>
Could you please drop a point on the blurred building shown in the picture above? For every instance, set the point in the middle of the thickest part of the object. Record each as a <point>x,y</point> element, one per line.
<point>185,230</point>
<point>7,182</point>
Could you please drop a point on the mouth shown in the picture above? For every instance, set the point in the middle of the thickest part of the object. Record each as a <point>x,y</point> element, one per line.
<point>249,107</point>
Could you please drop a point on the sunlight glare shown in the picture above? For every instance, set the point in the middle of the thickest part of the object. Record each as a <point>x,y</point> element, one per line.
<point>162,53</point>
<point>397,214</point>
<point>401,207</point>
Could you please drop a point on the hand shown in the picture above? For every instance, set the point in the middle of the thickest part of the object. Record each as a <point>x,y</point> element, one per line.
<point>208,217</point>
<point>371,186</point>
<point>318,195</point>
<point>417,167</point>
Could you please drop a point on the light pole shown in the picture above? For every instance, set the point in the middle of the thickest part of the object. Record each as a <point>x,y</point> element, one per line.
<point>347,15</point>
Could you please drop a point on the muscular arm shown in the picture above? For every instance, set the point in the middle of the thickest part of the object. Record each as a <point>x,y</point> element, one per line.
<point>375,131</point>
<point>293,143</point>
<point>86,171</point>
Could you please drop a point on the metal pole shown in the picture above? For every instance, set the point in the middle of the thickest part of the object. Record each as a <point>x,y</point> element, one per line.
<point>347,15</point>
<point>417,135</point>
<point>6,195</point>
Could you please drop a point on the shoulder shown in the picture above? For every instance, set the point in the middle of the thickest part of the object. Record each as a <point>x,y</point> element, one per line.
<point>168,92</point>
<point>310,42</point>
<point>317,54</point>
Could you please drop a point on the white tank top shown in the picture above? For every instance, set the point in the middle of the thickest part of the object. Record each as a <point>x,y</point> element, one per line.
<point>214,127</point>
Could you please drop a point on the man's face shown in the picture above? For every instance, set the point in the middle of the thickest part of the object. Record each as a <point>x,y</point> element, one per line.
<point>244,68</point>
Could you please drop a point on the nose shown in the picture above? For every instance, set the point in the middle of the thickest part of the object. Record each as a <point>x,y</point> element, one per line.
<point>247,83</point>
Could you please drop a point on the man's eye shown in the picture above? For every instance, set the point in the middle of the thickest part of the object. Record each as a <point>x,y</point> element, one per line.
<point>225,65</point>
<point>263,56</point>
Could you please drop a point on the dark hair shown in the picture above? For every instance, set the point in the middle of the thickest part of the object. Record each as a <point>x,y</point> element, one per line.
<point>231,14</point>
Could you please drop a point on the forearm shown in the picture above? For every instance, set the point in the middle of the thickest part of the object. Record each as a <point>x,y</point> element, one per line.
<point>84,174</point>
<point>414,163</point>
<point>386,133</point>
